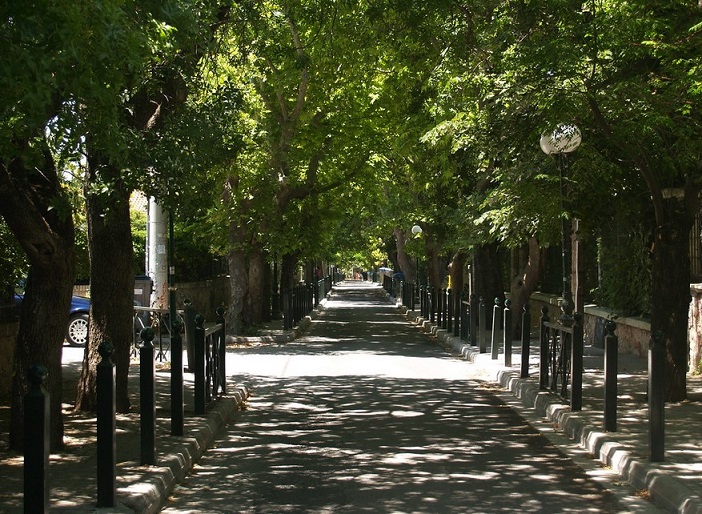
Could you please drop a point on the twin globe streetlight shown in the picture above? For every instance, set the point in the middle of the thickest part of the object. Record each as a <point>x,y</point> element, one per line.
<point>566,138</point>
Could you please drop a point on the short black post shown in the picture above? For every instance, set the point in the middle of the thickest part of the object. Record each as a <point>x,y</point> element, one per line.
<point>526,341</point>
<point>611,360</point>
<point>507,331</point>
<point>473,320</point>
<point>543,348</point>
<point>189,319</point>
<point>36,442</point>
<point>482,329</point>
<point>147,395</point>
<point>222,349</point>
<point>199,366</point>
<point>449,310</point>
<point>432,304</point>
<point>496,322</point>
<point>458,318</point>
<point>106,428</point>
<point>656,398</point>
<point>177,401</point>
<point>576,364</point>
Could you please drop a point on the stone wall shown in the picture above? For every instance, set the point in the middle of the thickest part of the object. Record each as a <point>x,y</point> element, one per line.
<point>205,296</point>
<point>633,333</point>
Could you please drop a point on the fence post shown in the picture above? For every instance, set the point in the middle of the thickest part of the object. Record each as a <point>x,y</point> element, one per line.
<point>611,363</point>
<point>432,302</point>
<point>507,332</point>
<point>482,329</point>
<point>576,364</point>
<point>189,317</point>
<point>656,398</point>
<point>147,394</point>
<point>457,321</point>
<point>526,340</point>
<point>543,349</point>
<point>199,365</point>
<point>449,310</point>
<point>496,322</point>
<point>36,442</point>
<point>472,320</point>
<point>177,404</point>
<point>222,349</point>
<point>106,428</point>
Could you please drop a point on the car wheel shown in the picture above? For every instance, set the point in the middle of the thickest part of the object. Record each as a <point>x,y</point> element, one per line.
<point>77,332</point>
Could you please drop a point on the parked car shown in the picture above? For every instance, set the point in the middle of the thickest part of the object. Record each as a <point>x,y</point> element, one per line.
<point>77,328</point>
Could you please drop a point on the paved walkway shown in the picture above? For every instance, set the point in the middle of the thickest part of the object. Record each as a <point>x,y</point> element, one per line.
<point>675,484</point>
<point>364,413</point>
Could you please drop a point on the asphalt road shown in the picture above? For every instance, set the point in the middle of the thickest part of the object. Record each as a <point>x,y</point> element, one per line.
<point>366,414</point>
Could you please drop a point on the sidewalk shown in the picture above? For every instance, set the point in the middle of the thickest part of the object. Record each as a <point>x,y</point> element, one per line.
<point>674,485</point>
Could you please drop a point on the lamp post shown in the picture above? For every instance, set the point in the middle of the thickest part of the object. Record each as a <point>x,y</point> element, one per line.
<point>416,230</point>
<point>563,140</point>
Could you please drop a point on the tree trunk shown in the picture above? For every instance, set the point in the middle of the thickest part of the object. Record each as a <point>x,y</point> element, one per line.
<point>32,205</point>
<point>288,271</point>
<point>238,280</point>
<point>488,276</point>
<point>111,291</point>
<point>456,266</point>
<point>407,265</point>
<point>671,293</point>
<point>524,284</point>
<point>254,299</point>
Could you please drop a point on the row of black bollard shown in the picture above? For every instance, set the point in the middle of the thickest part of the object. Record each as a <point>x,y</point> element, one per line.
<point>37,414</point>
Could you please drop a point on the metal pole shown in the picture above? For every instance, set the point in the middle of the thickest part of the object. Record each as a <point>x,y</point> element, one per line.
<point>526,341</point>
<point>610,372</point>
<point>36,442</point>
<point>147,393</point>
<point>656,398</point>
<point>106,428</point>
<point>507,318</point>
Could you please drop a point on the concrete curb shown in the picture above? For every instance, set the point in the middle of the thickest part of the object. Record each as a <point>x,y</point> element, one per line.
<point>666,491</point>
<point>149,495</point>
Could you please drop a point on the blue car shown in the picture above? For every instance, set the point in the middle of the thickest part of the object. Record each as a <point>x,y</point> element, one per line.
<point>77,329</point>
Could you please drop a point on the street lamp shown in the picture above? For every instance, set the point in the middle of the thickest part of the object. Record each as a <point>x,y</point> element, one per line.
<point>566,138</point>
<point>416,230</point>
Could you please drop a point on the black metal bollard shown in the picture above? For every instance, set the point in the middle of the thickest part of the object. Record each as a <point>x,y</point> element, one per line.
<point>496,322</point>
<point>177,403</point>
<point>656,398</point>
<point>36,442</point>
<point>449,310</point>
<point>189,317</point>
<point>482,329</point>
<point>147,395</point>
<point>199,366</point>
<point>222,348</point>
<point>526,341</point>
<point>106,428</point>
<point>458,321</point>
<point>507,331</point>
<point>543,349</point>
<point>611,359</point>
<point>576,364</point>
<point>473,320</point>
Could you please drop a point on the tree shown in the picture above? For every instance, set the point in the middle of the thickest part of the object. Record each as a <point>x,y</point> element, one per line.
<point>171,43</point>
